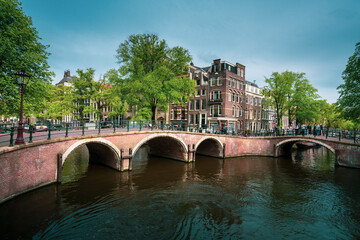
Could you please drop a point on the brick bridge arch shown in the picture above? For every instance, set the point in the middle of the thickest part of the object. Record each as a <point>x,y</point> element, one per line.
<point>209,146</point>
<point>165,145</point>
<point>100,151</point>
<point>283,148</point>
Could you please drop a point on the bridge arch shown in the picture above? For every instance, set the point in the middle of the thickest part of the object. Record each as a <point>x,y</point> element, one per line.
<point>209,146</point>
<point>100,150</point>
<point>283,147</point>
<point>165,145</point>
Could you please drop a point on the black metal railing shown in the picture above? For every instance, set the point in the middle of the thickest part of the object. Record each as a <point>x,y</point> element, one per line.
<point>50,130</point>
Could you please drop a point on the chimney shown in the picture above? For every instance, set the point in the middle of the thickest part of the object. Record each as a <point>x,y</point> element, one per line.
<point>67,73</point>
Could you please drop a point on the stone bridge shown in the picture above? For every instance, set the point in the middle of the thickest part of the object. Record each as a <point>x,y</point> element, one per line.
<point>29,166</point>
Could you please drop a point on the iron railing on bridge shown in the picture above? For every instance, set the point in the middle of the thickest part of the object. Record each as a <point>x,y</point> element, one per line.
<point>50,130</point>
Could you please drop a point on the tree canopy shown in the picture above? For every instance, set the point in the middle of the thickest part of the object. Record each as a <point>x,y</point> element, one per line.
<point>291,94</point>
<point>153,75</point>
<point>20,47</point>
<point>349,99</point>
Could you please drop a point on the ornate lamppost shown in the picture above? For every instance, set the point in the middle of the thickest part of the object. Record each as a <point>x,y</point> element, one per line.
<point>22,79</point>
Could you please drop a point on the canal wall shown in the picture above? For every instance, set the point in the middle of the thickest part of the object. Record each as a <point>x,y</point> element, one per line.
<point>32,165</point>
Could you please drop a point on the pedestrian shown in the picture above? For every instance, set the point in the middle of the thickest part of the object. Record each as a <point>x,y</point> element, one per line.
<point>309,129</point>
<point>318,130</point>
<point>314,130</point>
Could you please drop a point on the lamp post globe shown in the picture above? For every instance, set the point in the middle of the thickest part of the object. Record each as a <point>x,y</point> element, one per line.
<point>22,79</point>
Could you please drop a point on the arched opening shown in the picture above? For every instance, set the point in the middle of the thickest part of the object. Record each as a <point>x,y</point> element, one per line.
<point>77,157</point>
<point>162,145</point>
<point>285,147</point>
<point>210,147</point>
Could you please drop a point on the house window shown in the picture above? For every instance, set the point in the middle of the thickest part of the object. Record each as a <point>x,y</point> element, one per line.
<point>241,72</point>
<point>219,81</point>
<point>233,111</point>
<point>238,84</point>
<point>237,97</point>
<point>230,94</point>
<point>203,104</point>
<point>212,82</point>
<point>197,82</point>
<point>247,100</point>
<point>255,101</point>
<point>182,114</point>
<point>237,111</point>
<point>234,96</point>
<point>251,100</point>
<point>197,116</point>
<point>175,114</point>
<point>191,119</point>
<point>203,92</point>
<point>215,110</point>
<point>191,104</point>
<point>229,81</point>
<point>215,95</point>
<point>241,112</point>
<point>238,71</point>
<point>197,93</point>
<point>197,105</point>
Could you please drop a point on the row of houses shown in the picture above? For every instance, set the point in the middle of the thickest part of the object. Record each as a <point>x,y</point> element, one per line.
<point>223,99</point>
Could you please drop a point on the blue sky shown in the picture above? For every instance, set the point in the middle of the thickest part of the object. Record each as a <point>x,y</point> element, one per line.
<point>316,37</point>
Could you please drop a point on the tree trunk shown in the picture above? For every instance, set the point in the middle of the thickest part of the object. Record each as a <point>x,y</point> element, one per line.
<point>153,110</point>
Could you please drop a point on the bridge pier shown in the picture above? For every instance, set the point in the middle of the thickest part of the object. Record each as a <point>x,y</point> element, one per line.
<point>126,160</point>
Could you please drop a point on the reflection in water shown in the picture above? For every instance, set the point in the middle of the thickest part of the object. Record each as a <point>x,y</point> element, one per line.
<point>300,197</point>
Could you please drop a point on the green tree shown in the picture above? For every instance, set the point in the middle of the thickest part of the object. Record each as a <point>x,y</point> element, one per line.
<point>349,99</point>
<point>20,47</point>
<point>292,95</point>
<point>153,75</point>
<point>302,102</point>
<point>115,94</point>
<point>278,90</point>
<point>59,104</point>
<point>83,89</point>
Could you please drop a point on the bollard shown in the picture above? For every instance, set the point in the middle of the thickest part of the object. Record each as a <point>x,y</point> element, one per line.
<point>12,136</point>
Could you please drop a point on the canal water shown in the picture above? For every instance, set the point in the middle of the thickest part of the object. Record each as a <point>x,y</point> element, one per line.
<point>302,197</point>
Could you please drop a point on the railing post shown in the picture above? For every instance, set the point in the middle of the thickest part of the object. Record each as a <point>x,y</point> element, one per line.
<point>31,132</point>
<point>12,136</point>
<point>49,131</point>
<point>66,130</point>
<point>83,128</point>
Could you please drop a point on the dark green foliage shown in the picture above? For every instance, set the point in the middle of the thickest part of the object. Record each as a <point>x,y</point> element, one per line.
<point>20,47</point>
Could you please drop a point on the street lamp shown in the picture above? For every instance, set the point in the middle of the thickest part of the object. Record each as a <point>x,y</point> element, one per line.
<point>22,79</point>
